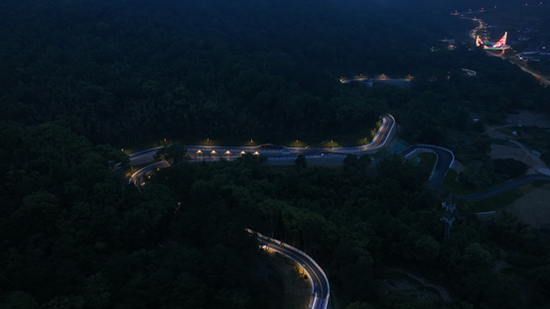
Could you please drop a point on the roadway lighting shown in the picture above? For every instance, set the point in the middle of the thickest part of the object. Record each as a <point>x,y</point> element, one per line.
<point>213,152</point>
<point>199,151</point>
<point>242,153</point>
<point>227,152</point>
<point>256,153</point>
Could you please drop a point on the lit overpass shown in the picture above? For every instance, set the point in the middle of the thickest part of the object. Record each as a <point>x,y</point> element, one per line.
<point>320,288</point>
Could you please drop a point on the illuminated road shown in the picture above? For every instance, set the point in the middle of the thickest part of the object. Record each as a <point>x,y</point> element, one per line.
<point>320,284</point>
<point>320,294</point>
<point>320,289</point>
<point>286,156</point>
<point>137,177</point>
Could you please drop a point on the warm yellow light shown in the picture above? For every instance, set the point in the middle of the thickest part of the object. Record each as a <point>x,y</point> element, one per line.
<point>199,151</point>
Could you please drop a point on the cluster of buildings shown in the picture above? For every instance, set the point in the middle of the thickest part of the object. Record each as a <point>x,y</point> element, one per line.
<point>530,44</point>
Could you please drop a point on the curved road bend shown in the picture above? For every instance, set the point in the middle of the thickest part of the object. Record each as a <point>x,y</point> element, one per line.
<point>319,281</point>
<point>444,161</point>
<point>137,177</point>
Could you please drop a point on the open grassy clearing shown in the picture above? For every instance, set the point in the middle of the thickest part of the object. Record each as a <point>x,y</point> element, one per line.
<point>533,208</point>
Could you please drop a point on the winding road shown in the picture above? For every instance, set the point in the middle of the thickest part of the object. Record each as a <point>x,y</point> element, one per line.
<point>320,287</point>
<point>320,284</point>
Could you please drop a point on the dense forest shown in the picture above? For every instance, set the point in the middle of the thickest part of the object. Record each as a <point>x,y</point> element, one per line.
<point>80,79</point>
<point>128,72</point>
